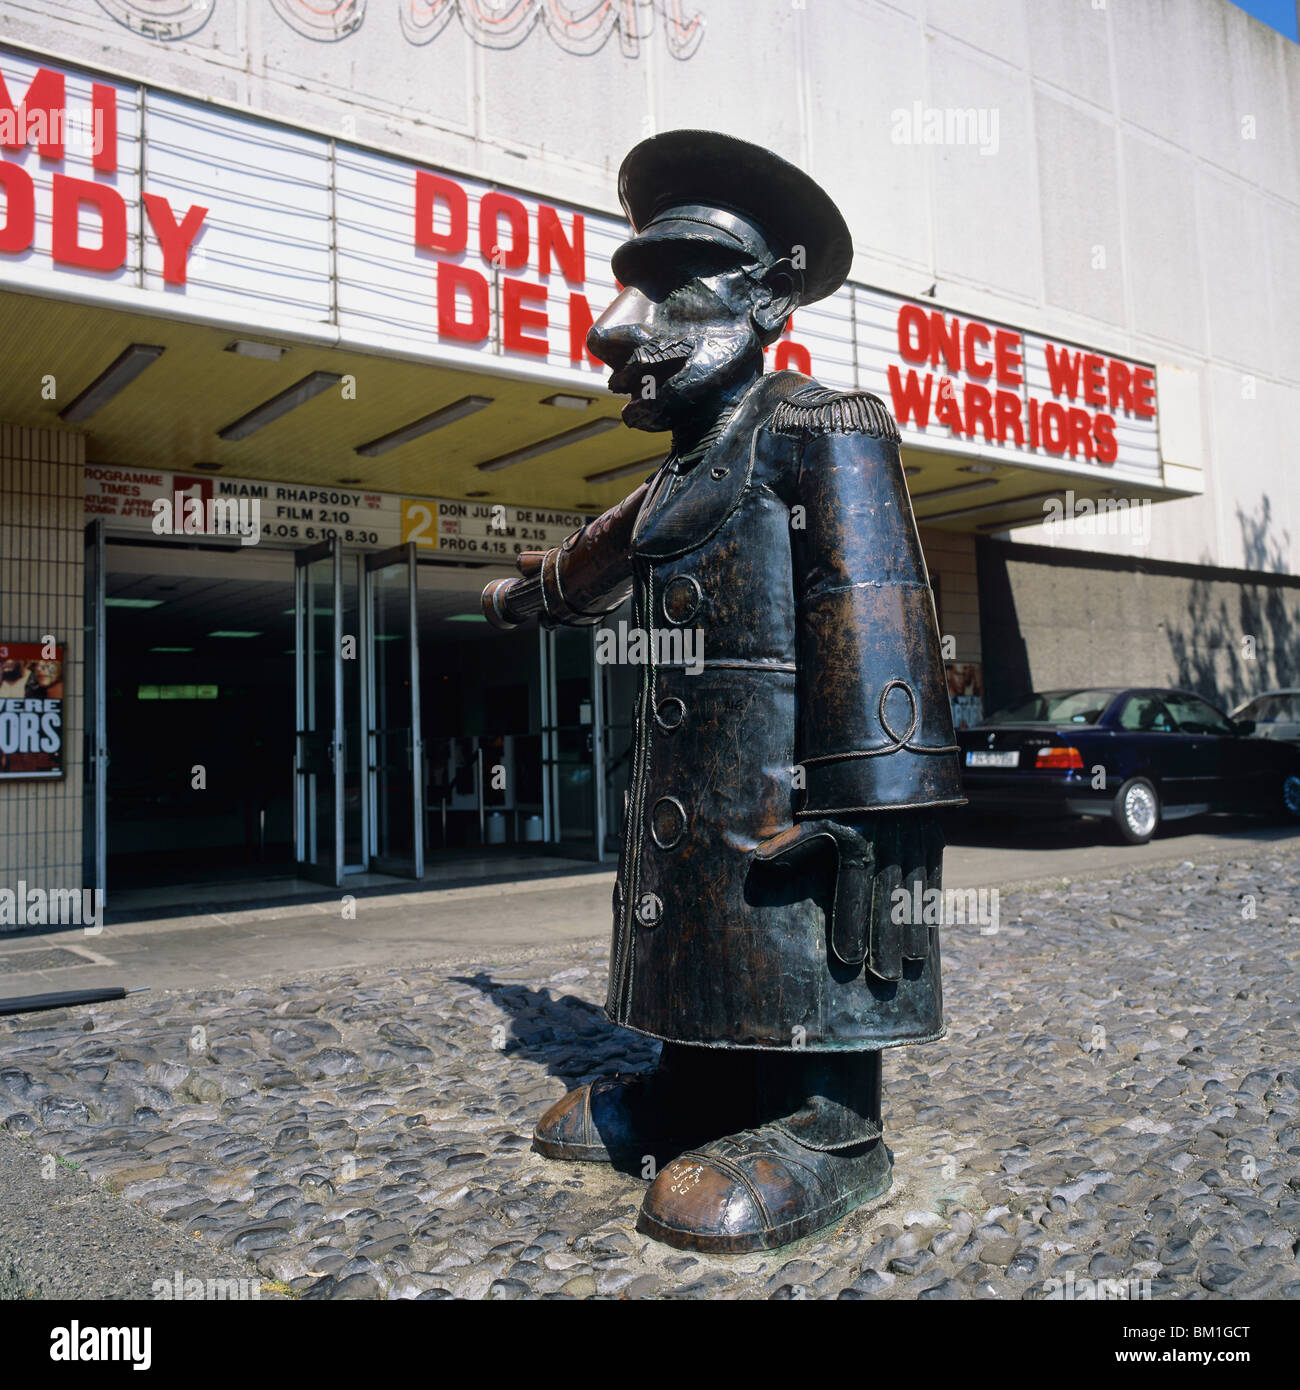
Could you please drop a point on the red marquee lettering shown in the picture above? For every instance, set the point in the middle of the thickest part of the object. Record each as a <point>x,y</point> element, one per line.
<point>945,338</point>
<point>569,252</point>
<point>1144,391</point>
<point>946,408</point>
<point>1063,371</point>
<point>909,402</point>
<point>977,332</point>
<point>979,409</point>
<point>1054,428</point>
<point>20,208</point>
<point>913,324</point>
<point>429,188</point>
<point>45,100</point>
<point>69,195</point>
<point>1007,355</point>
<point>1094,379</point>
<point>103,103</point>
<point>490,209</point>
<point>792,356</point>
<point>1080,427</point>
<point>1103,430</point>
<point>1007,406</point>
<point>516,319</point>
<point>452,279</point>
<point>175,238</point>
<point>1120,389</point>
<point>580,320</point>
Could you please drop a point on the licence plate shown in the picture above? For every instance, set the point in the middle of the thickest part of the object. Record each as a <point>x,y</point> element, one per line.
<point>983,759</point>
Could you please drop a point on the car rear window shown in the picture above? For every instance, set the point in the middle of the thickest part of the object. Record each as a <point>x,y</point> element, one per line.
<point>1056,707</point>
<point>1273,709</point>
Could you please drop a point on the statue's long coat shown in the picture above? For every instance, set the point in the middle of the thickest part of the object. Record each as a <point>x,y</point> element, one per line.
<point>791,549</point>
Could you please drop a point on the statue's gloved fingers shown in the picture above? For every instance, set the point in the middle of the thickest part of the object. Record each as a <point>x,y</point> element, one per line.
<point>885,956</point>
<point>793,847</point>
<point>913,863</point>
<point>935,843</point>
<point>851,909</point>
<point>935,840</point>
<point>848,851</point>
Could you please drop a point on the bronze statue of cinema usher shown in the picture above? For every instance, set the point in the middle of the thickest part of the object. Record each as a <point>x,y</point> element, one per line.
<point>783,795</point>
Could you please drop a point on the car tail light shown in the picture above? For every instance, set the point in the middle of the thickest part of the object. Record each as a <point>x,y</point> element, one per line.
<point>1059,759</point>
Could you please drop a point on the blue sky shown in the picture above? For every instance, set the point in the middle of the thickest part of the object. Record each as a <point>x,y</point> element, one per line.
<point>1278,14</point>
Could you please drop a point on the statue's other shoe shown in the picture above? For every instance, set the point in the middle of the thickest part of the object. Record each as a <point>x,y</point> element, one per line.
<point>757,1190</point>
<point>614,1119</point>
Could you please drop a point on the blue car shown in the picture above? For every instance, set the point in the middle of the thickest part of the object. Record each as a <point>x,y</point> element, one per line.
<point>1135,756</point>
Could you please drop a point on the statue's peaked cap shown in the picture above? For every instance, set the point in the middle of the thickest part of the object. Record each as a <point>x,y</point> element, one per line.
<point>703,170</point>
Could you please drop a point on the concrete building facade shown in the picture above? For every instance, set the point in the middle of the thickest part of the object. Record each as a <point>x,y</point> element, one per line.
<point>339,259</point>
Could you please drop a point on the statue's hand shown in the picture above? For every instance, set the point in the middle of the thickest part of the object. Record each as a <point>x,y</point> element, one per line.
<point>880,862</point>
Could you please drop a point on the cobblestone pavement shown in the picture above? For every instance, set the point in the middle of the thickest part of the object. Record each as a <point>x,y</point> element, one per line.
<point>1116,1100</point>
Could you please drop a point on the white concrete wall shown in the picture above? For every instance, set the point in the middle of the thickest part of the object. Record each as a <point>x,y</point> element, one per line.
<point>42,564</point>
<point>1144,196</point>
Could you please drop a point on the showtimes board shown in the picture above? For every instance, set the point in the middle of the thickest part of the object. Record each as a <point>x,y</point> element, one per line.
<point>186,507</point>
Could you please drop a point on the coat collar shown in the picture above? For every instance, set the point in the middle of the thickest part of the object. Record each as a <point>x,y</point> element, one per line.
<point>674,520</point>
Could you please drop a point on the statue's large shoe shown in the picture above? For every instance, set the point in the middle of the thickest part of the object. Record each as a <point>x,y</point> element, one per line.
<point>623,1119</point>
<point>759,1189</point>
<point>695,1094</point>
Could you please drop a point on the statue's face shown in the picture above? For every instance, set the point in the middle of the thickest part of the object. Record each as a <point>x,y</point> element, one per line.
<point>686,326</point>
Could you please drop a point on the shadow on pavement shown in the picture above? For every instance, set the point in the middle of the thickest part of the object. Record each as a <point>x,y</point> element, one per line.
<point>549,1028</point>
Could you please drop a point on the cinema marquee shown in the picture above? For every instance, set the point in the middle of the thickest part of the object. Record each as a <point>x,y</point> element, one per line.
<point>298,233</point>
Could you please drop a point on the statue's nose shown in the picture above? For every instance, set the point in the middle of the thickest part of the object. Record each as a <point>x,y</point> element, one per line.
<point>621,329</point>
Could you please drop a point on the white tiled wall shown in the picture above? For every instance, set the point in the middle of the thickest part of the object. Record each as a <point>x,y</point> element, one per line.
<point>41,566</point>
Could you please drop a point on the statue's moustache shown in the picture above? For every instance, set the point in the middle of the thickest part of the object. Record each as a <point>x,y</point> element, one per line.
<point>649,354</point>
<point>647,360</point>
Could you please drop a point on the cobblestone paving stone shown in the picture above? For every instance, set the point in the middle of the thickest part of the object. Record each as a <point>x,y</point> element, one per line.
<point>1116,1100</point>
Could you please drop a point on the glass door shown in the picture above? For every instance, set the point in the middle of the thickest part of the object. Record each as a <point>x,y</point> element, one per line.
<point>569,750</point>
<point>318,752</point>
<point>395,749</point>
<point>94,782</point>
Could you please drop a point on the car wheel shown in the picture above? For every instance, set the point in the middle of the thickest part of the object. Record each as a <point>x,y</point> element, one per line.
<point>1136,811</point>
<point>1291,795</point>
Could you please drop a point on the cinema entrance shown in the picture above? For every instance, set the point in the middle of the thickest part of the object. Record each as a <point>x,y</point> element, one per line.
<point>262,719</point>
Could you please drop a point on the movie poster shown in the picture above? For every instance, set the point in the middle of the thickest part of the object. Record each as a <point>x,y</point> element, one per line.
<point>966,691</point>
<point>31,710</point>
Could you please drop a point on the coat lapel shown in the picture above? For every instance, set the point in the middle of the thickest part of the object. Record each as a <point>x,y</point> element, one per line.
<point>676,520</point>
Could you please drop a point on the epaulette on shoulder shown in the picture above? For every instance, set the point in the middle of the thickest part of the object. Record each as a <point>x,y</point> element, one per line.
<point>816,410</point>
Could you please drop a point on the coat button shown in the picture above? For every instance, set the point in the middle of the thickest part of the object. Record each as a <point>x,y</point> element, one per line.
<point>669,713</point>
<point>649,910</point>
<point>682,598</point>
<point>667,822</point>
